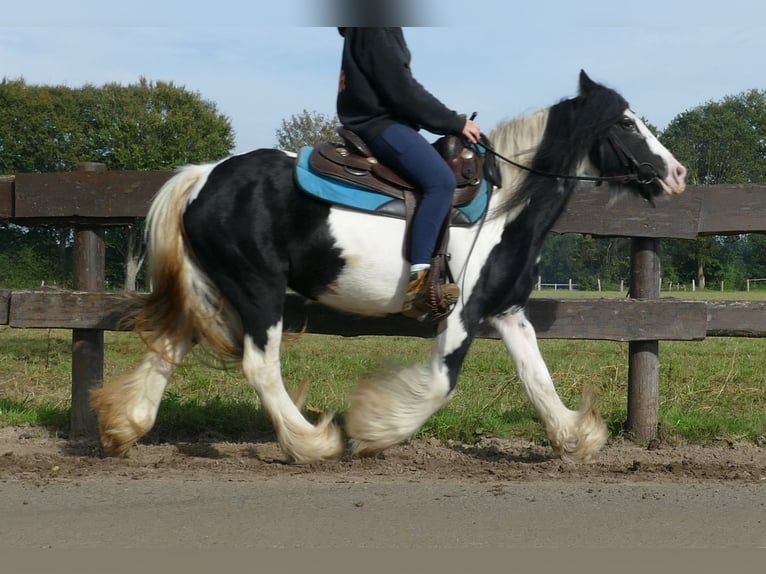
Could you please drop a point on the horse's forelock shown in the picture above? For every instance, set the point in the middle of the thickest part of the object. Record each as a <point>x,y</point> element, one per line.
<point>600,107</point>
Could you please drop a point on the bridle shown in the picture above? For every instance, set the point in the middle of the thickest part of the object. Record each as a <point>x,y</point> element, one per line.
<point>629,162</point>
<point>642,173</point>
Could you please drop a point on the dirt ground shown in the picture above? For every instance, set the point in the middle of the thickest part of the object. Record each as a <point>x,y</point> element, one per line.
<point>30,454</point>
<point>59,494</point>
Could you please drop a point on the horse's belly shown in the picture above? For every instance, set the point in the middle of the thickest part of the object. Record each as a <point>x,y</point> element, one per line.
<point>375,273</point>
<point>386,304</point>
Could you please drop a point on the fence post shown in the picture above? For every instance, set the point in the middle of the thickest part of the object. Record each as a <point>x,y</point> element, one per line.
<point>87,344</point>
<point>644,356</point>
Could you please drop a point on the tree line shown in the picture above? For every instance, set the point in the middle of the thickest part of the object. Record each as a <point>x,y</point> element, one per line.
<point>145,125</point>
<point>157,125</point>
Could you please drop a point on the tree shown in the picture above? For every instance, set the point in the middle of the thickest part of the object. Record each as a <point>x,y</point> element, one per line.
<point>32,257</point>
<point>152,125</point>
<point>306,129</point>
<point>39,128</point>
<point>722,142</point>
<point>702,258</point>
<point>719,142</point>
<point>753,255</point>
<point>585,259</point>
<point>126,251</point>
<point>146,125</point>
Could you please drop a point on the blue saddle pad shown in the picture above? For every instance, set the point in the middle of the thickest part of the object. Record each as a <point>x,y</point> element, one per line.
<point>348,195</point>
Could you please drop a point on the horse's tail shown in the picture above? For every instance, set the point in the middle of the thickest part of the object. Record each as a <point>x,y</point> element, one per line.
<point>183,302</point>
<point>182,308</point>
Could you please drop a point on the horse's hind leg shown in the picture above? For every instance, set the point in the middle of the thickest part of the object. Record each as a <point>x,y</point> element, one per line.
<point>299,439</point>
<point>575,434</point>
<point>127,407</point>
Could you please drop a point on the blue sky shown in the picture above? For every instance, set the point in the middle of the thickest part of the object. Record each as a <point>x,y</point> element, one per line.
<point>262,61</point>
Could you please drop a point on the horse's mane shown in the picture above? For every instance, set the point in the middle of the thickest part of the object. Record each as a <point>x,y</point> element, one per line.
<point>518,139</point>
<point>553,140</point>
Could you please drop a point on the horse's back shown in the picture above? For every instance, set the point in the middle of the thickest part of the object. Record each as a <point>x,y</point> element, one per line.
<point>250,226</point>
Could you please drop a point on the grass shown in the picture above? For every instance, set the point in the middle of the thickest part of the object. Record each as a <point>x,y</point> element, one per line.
<point>706,295</point>
<point>709,390</point>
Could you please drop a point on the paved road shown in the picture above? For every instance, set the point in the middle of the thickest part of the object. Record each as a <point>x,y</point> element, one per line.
<point>307,513</point>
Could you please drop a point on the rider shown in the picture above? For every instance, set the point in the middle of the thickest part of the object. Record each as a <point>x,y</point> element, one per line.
<point>380,100</point>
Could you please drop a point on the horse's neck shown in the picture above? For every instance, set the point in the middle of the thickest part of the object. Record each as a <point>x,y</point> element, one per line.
<point>517,140</point>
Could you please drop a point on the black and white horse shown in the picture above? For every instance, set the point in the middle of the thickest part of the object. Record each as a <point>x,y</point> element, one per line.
<point>227,240</point>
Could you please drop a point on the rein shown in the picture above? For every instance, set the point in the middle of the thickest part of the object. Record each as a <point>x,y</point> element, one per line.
<point>626,158</point>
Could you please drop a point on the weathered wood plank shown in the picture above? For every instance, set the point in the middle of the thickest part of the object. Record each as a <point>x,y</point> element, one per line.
<point>736,318</point>
<point>6,196</point>
<point>115,197</point>
<point>302,314</point>
<point>5,301</point>
<point>618,319</point>
<point>700,210</point>
<point>60,309</point>
<point>593,210</point>
<point>606,319</point>
<point>36,309</point>
<point>644,356</point>
<point>732,209</point>
<point>123,195</point>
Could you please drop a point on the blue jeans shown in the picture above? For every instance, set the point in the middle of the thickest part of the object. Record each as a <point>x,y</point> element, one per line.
<point>408,153</point>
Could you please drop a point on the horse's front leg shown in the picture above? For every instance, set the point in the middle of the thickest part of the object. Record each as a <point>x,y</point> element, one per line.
<point>573,434</point>
<point>390,408</point>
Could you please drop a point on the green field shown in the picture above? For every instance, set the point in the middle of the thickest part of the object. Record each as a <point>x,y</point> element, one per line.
<point>707,295</point>
<point>710,390</point>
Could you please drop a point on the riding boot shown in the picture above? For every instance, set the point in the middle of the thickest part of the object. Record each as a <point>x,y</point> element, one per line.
<point>416,298</point>
<point>415,289</point>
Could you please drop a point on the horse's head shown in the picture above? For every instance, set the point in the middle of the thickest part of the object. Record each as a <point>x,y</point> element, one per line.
<point>626,147</point>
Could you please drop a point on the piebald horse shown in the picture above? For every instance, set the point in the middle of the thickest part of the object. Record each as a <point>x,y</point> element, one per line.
<point>228,239</point>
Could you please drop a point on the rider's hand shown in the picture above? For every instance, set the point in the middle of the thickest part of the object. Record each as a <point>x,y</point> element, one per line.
<point>471,131</point>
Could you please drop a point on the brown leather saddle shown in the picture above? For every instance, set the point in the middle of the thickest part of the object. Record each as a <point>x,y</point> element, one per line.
<point>352,161</point>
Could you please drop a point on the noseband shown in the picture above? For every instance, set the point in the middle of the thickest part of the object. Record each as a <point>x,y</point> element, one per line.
<point>643,173</point>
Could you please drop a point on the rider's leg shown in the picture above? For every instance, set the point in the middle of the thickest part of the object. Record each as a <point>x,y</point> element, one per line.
<point>403,149</point>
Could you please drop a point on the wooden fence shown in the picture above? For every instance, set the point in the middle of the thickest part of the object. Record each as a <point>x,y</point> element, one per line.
<point>91,199</point>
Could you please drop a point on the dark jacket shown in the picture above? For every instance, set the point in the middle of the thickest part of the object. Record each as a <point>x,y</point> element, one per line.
<point>377,88</point>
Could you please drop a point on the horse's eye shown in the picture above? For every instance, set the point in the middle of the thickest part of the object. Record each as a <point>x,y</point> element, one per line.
<point>628,123</point>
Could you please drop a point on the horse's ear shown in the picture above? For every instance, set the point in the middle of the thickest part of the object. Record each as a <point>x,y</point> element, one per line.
<point>586,84</point>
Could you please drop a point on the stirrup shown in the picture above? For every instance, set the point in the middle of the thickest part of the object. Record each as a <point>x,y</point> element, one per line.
<point>427,297</point>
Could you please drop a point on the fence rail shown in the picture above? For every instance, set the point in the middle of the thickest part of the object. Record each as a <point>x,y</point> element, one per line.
<point>622,320</point>
<point>105,198</point>
<point>91,199</point>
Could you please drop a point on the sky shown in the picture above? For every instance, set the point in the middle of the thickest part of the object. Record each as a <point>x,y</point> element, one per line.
<point>263,61</point>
